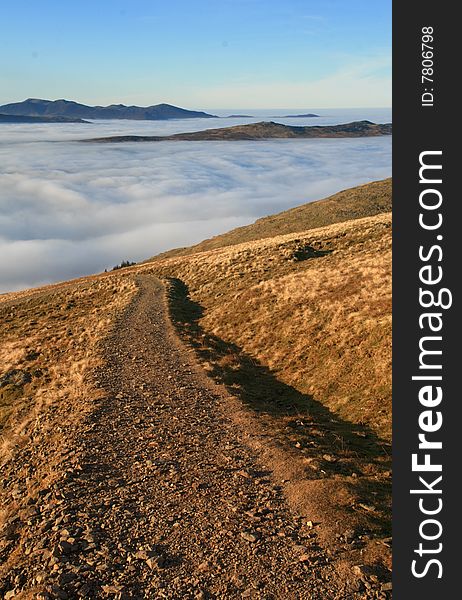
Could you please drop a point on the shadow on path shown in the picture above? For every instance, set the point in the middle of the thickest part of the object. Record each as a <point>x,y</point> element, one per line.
<point>334,446</point>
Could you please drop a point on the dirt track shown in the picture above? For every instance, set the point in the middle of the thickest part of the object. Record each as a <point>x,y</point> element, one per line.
<point>162,498</point>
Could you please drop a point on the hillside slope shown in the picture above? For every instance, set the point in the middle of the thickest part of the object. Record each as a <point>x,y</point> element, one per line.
<point>118,453</point>
<point>314,307</point>
<point>187,506</point>
<point>354,203</point>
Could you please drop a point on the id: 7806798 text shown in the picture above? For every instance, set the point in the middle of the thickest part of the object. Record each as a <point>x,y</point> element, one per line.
<point>427,66</point>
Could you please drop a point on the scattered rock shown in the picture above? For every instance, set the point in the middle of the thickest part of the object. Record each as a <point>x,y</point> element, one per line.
<point>156,562</point>
<point>112,589</point>
<point>366,507</point>
<point>387,587</point>
<point>121,515</point>
<point>304,558</point>
<point>248,536</point>
<point>329,458</point>
<point>349,535</point>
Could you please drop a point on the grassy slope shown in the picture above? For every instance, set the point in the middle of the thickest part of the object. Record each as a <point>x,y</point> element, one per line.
<point>322,325</point>
<point>49,338</point>
<point>297,325</point>
<point>362,201</point>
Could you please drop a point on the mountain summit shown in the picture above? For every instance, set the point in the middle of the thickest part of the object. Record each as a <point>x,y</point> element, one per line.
<point>34,107</point>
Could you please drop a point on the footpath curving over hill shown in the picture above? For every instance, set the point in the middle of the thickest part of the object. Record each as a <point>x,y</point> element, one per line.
<point>159,496</point>
<point>250,459</point>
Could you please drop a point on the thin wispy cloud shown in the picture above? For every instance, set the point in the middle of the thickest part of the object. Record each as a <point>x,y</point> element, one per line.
<point>365,82</point>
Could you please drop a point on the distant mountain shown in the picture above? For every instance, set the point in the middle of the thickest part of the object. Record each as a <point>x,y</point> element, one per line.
<point>263,130</point>
<point>295,116</point>
<point>65,108</point>
<point>27,119</point>
<point>274,116</point>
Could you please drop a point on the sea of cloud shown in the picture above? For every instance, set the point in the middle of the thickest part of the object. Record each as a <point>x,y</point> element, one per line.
<point>69,208</point>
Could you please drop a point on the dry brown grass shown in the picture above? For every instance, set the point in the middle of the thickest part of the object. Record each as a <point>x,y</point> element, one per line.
<point>49,338</point>
<point>49,346</point>
<point>312,306</point>
<point>298,327</point>
<point>322,325</point>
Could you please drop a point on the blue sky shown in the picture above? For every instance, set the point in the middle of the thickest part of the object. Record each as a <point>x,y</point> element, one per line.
<point>198,53</point>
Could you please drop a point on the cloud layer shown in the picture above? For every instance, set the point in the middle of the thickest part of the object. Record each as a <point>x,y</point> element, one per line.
<point>69,208</point>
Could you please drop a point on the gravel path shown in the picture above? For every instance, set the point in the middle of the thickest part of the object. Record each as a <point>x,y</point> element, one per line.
<point>161,497</point>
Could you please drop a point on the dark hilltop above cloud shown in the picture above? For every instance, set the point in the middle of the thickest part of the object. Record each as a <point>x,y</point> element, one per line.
<point>29,119</point>
<point>303,116</point>
<point>263,130</point>
<point>34,107</point>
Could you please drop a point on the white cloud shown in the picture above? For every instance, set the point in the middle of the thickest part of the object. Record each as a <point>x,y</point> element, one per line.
<point>68,209</point>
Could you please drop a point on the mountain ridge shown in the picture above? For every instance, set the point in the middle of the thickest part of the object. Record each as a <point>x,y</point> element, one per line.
<point>37,107</point>
<point>262,130</point>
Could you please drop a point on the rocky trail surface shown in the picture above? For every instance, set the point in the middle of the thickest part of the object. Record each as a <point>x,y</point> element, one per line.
<point>160,496</point>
